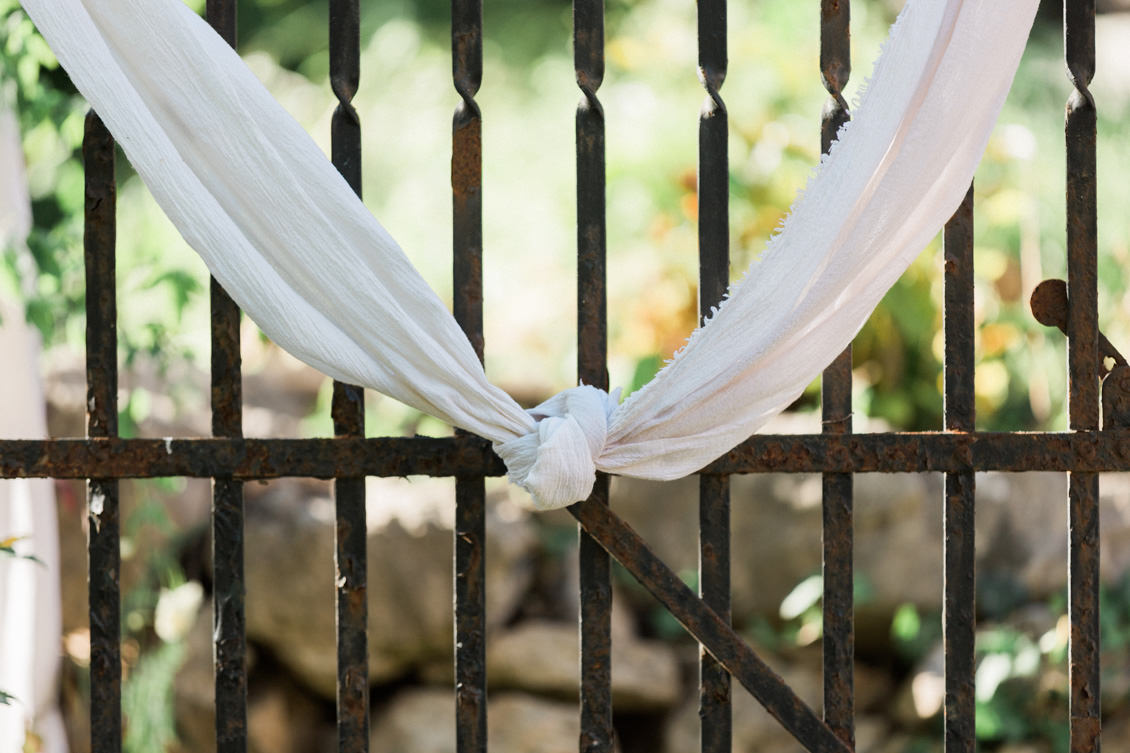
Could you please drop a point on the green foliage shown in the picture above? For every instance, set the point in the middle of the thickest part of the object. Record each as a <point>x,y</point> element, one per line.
<point>800,616</point>
<point>147,691</point>
<point>7,548</point>
<point>159,282</point>
<point>1114,614</point>
<point>148,530</point>
<point>1013,703</point>
<point>1008,709</point>
<point>147,700</point>
<point>914,633</point>
<point>646,368</point>
<point>50,117</point>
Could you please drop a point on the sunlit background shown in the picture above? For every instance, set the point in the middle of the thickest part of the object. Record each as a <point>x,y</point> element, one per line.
<point>651,97</point>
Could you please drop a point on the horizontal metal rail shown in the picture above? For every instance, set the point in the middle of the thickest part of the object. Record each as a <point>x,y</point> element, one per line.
<point>893,452</point>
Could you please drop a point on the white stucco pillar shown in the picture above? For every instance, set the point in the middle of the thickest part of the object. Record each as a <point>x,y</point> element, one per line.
<point>30,608</point>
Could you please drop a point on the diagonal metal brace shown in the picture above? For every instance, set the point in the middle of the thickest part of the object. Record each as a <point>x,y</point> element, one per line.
<point>714,633</point>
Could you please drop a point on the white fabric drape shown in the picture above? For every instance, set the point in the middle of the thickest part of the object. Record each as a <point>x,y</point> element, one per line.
<point>298,251</point>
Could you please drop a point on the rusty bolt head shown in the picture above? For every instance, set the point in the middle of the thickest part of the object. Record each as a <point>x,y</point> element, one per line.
<point>1049,303</point>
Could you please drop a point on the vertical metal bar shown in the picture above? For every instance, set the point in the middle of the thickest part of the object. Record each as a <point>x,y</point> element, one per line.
<point>348,413</point>
<point>958,613</point>
<point>592,347</point>
<point>467,273</point>
<point>99,235</point>
<point>1083,354</point>
<point>715,708</point>
<point>596,638</point>
<point>715,711</point>
<point>835,394</point>
<point>228,625</point>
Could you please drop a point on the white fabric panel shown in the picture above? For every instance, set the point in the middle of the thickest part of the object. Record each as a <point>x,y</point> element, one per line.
<point>296,249</point>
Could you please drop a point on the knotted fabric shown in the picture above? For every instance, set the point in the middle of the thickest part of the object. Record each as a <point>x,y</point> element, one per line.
<point>559,458</point>
<point>291,243</point>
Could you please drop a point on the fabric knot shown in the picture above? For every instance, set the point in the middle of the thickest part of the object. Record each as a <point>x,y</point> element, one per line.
<point>556,462</point>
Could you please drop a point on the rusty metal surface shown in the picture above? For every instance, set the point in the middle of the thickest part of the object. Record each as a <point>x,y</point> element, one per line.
<point>228,629</point>
<point>348,414</point>
<point>596,735</point>
<point>715,707</point>
<point>1116,398</point>
<point>713,160</point>
<point>249,459</point>
<point>837,566</point>
<point>104,561</point>
<point>470,614</point>
<point>929,451</point>
<point>1083,608</point>
<point>835,64</point>
<point>711,630</point>
<point>958,612</point>
<point>469,562</point>
<point>959,323</point>
<point>838,640</point>
<point>228,624</point>
<point>1049,307</point>
<point>958,605</point>
<point>588,53</point>
<point>1083,390</point>
<point>595,601</point>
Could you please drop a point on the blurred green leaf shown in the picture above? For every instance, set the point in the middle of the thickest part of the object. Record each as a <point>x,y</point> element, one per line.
<point>803,597</point>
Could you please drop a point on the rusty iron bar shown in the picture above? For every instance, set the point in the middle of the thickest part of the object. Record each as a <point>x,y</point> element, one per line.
<point>469,562</point>
<point>1105,451</point>
<point>470,614</point>
<point>595,609</point>
<point>596,734</point>
<point>715,706</point>
<point>707,627</point>
<point>348,414</point>
<point>104,559</point>
<point>251,459</point>
<point>1083,353</point>
<point>835,402</point>
<point>1116,398</point>
<point>958,599</point>
<point>228,623</point>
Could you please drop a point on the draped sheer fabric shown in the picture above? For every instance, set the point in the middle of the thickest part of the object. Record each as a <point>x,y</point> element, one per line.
<point>287,238</point>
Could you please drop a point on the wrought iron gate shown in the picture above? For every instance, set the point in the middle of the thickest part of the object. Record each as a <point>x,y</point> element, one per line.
<point>958,451</point>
